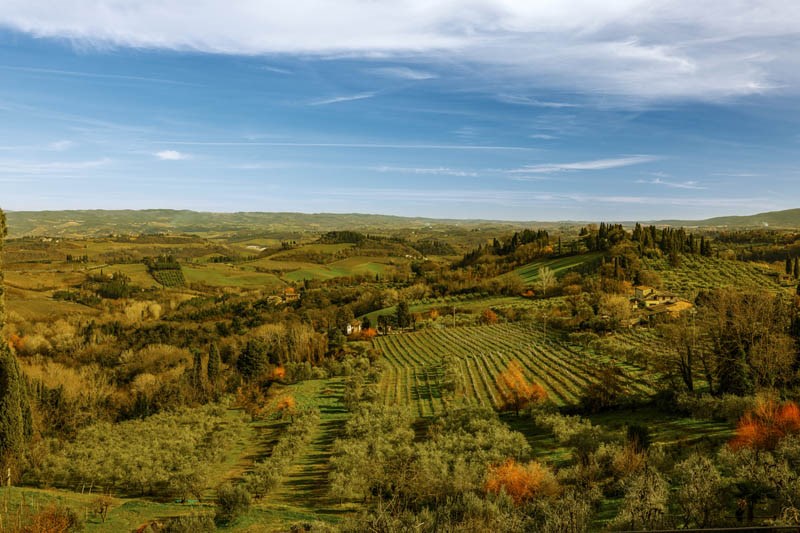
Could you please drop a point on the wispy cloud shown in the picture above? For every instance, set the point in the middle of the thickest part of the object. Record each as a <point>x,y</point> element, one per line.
<point>596,164</point>
<point>60,146</point>
<point>532,102</point>
<point>345,98</point>
<point>355,145</point>
<point>98,75</point>
<point>49,167</point>
<point>404,73</point>
<point>171,155</point>
<point>701,51</point>
<point>673,184</point>
<point>438,171</point>
<point>542,137</point>
<point>276,70</point>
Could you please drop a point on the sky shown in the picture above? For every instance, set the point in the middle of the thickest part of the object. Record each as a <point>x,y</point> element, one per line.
<point>494,109</point>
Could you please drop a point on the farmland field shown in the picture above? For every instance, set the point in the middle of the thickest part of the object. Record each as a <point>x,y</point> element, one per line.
<point>696,272</point>
<point>221,275</point>
<point>413,370</point>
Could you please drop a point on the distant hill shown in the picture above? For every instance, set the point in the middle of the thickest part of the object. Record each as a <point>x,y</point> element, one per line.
<point>94,223</point>
<point>789,218</point>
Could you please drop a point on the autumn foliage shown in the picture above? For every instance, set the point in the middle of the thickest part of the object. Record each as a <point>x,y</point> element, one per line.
<point>488,317</point>
<point>278,373</point>
<point>763,427</point>
<point>286,406</point>
<point>522,482</point>
<point>517,392</point>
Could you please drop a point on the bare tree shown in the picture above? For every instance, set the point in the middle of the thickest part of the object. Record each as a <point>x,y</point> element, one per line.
<point>547,279</point>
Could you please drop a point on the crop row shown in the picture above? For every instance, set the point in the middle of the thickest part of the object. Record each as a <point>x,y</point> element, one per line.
<point>414,365</point>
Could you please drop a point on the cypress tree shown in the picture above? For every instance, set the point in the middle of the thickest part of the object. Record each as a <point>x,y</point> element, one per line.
<point>16,423</point>
<point>253,359</point>
<point>2,285</point>
<point>789,269</point>
<point>214,363</point>
<point>796,268</point>
<point>197,370</point>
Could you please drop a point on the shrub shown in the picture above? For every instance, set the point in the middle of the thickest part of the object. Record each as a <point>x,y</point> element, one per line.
<point>522,482</point>
<point>53,518</point>
<point>765,426</point>
<point>232,503</point>
<point>200,523</point>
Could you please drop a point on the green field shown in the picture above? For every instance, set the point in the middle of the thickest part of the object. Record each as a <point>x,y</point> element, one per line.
<point>413,371</point>
<point>343,268</point>
<point>222,275</point>
<point>530,272</point>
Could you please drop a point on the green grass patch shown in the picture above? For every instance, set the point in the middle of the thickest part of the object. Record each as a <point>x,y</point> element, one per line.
<point>561,265</point>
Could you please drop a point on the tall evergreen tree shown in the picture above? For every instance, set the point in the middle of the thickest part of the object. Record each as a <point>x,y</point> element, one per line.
<point>253,360</point>
<point>197,370</point>
<point>797,267</point>
<point>789,269</point>
<point>214,363</point>
<point>2,285</point>
<point>16,423</point>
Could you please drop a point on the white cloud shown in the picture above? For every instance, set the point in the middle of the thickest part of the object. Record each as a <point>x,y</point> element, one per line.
<point>596,164</point>
<point>171,155</point>
<point>339,99</point>
<point>630,48</point>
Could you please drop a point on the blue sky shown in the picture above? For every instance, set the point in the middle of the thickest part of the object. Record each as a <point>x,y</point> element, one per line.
<point>498,109</point>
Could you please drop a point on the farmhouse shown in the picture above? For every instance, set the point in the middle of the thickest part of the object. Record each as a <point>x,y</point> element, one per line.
<point>353,328</point>
<point>651,302</point>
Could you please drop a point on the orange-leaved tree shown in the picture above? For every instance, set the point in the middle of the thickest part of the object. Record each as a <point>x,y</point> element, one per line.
<point>517,392</point>
<point>278,373</point>
<point>286,406</point>
<point>764,426</point>
<point>522,482</point>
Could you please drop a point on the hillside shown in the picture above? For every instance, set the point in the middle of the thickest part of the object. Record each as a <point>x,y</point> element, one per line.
<point>94,223</point>
<point>789,218</point>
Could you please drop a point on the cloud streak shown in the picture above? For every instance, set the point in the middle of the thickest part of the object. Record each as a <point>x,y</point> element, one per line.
<point>596,164</point>
<point>692,185</point>
<point>340,99</point>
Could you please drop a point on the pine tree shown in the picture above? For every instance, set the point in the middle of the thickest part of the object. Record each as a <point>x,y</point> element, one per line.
<point>214,363</point>
<point>796,267</point>
<point>789,269</point>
